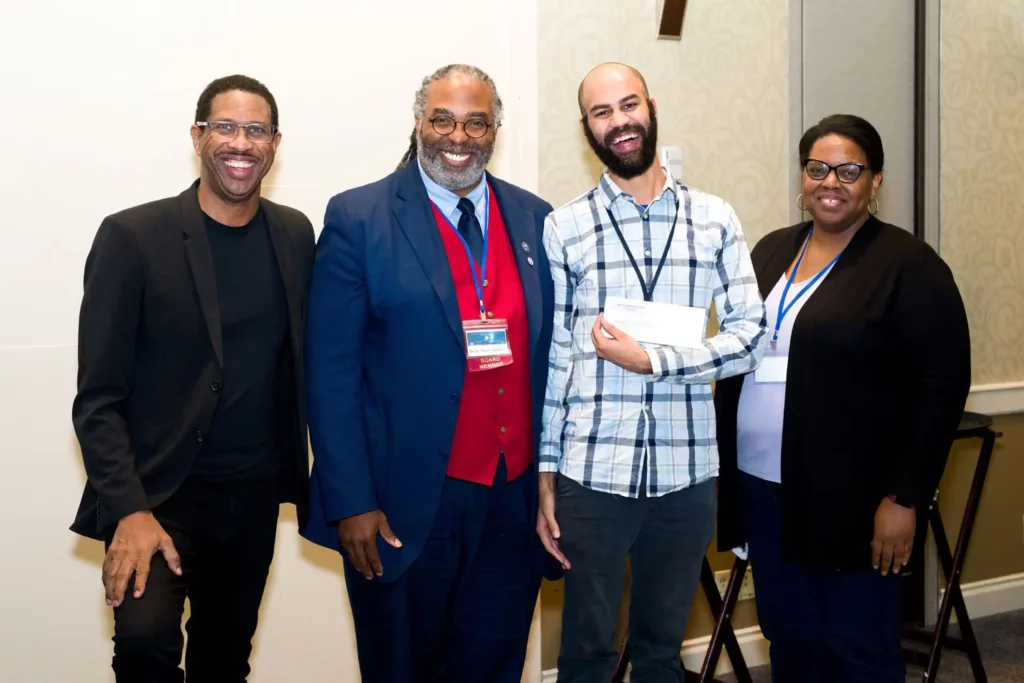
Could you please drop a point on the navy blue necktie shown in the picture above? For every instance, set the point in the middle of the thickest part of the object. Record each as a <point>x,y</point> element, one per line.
<point>469,228</point>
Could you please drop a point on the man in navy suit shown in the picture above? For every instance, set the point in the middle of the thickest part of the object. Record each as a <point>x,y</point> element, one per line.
<point>424,472</point>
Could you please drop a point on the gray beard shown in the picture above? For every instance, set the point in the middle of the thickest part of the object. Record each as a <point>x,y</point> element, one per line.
<point>450,178</point>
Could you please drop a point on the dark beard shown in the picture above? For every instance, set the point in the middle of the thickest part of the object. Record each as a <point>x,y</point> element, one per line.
<point>635,163</point>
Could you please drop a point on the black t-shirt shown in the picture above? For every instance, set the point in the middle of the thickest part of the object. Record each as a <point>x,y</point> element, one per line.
<point>243,441</point>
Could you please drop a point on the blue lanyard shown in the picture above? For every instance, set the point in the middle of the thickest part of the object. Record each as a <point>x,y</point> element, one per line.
<point>478,277</point>
<point>783,309</point>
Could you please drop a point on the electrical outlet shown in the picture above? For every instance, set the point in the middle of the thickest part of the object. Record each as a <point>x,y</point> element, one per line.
<point>746,588</point>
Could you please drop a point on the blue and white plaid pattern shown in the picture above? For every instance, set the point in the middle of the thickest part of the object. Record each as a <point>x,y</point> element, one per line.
<point>600,421</point>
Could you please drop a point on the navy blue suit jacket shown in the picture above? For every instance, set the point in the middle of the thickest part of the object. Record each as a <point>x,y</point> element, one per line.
<point>386,361</point>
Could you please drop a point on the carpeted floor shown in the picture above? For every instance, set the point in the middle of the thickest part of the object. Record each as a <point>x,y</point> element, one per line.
<point>1000,637</point>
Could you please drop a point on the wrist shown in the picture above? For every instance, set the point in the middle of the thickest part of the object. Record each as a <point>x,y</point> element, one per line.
<point>902,501</point>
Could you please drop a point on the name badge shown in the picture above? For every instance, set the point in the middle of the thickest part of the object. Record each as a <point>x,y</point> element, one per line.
<point>487,345</point>
<point>772,369</point>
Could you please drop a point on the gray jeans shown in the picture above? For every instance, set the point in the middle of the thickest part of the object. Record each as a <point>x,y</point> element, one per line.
<point>665,539</point>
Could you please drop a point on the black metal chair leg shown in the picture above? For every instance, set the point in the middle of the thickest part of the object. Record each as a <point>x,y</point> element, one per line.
<point>723,635</point>
<point>952,566</point>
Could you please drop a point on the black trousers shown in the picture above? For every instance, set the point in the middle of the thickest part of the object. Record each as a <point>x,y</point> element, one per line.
<point>835,626</point>
<point>461,613</point>
<point>225,536</point>
<point>665,539</point>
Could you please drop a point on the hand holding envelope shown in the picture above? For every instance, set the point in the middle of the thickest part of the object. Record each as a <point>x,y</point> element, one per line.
<point>624,324</point>
<point>650,322</point>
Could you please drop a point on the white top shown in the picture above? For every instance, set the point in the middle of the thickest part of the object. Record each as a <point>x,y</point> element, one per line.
<point>760,413</point>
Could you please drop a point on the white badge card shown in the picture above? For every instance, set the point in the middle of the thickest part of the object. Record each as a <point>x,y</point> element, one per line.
<point>772,369</point>
<point>487,344</point>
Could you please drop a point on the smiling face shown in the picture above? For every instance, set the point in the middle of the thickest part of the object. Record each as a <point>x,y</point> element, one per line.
<point>619,120</point>
<point>836,205</point>
<point>233,165</point>
<point>456,160</point>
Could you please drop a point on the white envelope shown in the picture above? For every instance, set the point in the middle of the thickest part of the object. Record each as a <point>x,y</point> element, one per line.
<point>651,322</point>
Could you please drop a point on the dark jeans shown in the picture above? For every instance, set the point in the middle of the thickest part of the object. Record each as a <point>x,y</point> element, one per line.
<point>462,611</point>
<point>225,536</point>
<point>840,626</point>
<point>665,539</point>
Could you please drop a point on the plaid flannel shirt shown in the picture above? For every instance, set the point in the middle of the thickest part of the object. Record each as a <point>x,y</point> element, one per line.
<point>603,426</point>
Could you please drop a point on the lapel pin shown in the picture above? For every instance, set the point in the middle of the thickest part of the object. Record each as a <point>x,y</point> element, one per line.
<point>526,247</point>
<point>529,259</point>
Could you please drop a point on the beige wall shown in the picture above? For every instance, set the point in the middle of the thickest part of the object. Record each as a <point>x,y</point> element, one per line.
<point>982,175</point>
<point>722,95</point>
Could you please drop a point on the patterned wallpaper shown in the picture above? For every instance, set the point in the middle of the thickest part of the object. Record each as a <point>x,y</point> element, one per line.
<point>982,176</point>
<point>722,95</point>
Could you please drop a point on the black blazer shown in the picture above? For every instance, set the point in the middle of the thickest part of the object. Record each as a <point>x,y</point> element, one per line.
<point>879,372</point>
<point>150,355</point>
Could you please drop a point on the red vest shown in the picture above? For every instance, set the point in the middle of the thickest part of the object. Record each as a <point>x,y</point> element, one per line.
<point>495,410</point>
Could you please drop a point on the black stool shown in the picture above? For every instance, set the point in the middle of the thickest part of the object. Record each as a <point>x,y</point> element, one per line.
<point>722,607</point>
<point>972,426</point>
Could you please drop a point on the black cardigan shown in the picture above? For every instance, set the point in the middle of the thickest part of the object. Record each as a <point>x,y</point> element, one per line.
<point>879,372</point>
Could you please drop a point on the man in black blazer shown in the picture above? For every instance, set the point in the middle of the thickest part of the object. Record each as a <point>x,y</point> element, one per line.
<point>190,409</point>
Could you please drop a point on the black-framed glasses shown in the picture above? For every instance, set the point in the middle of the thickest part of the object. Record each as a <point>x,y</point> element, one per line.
<point>227,130</point>
<point>446,125</point>
<point>846,173</point>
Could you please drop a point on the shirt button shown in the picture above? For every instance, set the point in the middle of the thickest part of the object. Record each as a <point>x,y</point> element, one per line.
<point>441,455</point>
<point>501,392</point>
<point>485,283</point>
<point>199,437</point>
<point>490,314</point>
<point>215,387</point>
<point>454,398</point>
<point>648,252</point>
<point>503,430</point>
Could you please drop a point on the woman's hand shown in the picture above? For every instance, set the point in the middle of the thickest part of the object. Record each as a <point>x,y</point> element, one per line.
<point>894,537</point>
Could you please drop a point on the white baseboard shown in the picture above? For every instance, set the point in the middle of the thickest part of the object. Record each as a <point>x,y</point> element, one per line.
<point>983,599</point>
<point>997,399</point>
<point>993,596</point>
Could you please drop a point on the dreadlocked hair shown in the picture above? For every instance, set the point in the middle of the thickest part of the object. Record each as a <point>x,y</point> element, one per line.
<point>410,153</point>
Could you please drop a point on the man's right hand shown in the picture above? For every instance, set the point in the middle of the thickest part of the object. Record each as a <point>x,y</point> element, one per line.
<point>547,527</point>
<point>358,536</point>
<point>137,538</point>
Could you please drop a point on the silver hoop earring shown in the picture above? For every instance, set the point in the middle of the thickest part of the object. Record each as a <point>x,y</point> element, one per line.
<point>875,212</point>
<point>800,202</point>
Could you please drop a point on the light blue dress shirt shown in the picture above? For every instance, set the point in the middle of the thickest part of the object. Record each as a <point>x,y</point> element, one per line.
<point>447,201</point>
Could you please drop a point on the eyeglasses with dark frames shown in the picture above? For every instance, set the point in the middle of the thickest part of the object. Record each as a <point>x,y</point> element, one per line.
<point>446,125</point>
<point>227,130</point>
<point>845,173</point>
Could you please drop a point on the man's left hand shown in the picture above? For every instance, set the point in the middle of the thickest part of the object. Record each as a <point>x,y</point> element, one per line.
<point>894,537</point>
<point>621,349</point>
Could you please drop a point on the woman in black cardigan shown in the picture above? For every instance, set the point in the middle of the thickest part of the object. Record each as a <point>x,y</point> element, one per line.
<point>844,429</point>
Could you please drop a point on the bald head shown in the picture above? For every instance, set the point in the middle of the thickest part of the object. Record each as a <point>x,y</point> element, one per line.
<point>606,79</point>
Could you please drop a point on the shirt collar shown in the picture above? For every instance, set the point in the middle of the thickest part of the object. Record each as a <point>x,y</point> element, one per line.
<point>447,201</point>
<point>610,192</point>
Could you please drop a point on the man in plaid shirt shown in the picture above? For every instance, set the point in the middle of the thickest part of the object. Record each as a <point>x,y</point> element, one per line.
<point>628,455</point>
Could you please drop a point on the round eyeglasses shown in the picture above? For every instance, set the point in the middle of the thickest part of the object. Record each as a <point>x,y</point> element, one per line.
<point>446,125</point>
<point>846,173</point>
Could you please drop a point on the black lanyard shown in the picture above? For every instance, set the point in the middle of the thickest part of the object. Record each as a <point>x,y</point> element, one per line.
<point>648,292</point>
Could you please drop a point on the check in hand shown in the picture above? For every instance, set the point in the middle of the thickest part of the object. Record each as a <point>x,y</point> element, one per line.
<point>621,349</point>
<point>358,536</point>
<point>137,539</point>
